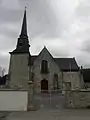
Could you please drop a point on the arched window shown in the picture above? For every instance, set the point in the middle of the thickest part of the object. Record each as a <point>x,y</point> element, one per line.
<point>44,66</point>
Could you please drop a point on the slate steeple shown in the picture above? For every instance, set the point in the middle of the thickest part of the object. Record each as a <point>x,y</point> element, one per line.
<point>24,26</point>
<point>23,42</point>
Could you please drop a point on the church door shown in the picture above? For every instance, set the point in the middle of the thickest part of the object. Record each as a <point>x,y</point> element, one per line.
<point>44,85</point>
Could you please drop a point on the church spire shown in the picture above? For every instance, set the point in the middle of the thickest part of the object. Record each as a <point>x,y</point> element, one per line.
<point>23,42</point>
<point>24,26</point>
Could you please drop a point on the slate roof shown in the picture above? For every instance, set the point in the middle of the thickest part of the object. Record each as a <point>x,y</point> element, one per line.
<point>23,42</point>
<point>65,64</point>
<point>24,26</point>
<point>19,51</point>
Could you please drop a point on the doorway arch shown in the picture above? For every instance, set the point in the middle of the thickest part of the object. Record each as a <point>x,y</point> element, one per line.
<point>44,85</point>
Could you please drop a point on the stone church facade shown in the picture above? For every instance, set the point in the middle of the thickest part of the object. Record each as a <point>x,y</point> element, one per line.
<point>44,71</point>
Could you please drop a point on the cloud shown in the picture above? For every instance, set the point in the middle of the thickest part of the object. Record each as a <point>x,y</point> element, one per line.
<point>62,25</point>
<point>42,19</point>
<point>9,4</point>
<point>9,16</point>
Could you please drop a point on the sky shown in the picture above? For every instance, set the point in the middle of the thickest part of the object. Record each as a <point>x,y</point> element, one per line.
<point>63,26</point>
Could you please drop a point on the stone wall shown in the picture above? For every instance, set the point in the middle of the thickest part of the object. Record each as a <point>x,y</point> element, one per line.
<point>19,71</point>
<point>77,99</point>
<point>74,78</point>
<point>52,68</point>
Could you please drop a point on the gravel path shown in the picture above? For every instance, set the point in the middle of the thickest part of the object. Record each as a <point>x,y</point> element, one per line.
<point>51,114</point>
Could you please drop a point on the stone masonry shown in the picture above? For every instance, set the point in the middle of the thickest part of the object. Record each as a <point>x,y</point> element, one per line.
<point>77,99</point>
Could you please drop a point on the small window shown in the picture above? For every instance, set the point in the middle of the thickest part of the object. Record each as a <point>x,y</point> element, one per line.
<point>44,66</point>
<point>20,43</point>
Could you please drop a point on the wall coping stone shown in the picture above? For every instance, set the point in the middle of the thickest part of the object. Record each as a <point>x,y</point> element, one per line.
<point>81,90</point>
<point>13,89</point>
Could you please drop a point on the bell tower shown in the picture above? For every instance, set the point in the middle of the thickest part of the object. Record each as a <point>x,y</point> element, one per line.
<point>19,59</point>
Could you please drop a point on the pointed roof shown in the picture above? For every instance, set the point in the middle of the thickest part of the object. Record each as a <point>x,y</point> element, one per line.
<point>67,64</point>
<point>64,64</point>
<point>23,42</point>
<point>45,50</point>
<point>24,26</point>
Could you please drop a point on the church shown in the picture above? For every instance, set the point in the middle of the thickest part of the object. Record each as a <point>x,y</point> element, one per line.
<point>46,72</point>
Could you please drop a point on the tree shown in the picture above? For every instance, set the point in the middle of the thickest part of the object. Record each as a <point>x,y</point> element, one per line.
<point>3,77</point>
<point>2,71</point>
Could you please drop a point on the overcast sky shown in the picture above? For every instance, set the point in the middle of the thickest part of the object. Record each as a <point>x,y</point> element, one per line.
<point>62,25</point>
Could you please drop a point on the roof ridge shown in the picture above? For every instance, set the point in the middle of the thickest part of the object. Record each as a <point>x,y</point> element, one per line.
<point>63,58</point>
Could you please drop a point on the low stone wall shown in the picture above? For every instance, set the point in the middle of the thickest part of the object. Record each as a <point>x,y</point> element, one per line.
<point>77,99</point>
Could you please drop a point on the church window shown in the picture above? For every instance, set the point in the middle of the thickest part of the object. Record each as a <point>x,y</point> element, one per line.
<point>44,66</point>
<point>20,43</point>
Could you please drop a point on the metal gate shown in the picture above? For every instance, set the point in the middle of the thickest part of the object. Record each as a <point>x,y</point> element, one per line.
<point>48,100</point>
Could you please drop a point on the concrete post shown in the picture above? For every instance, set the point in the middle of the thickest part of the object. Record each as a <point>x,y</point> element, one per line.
<point>30,96</point>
